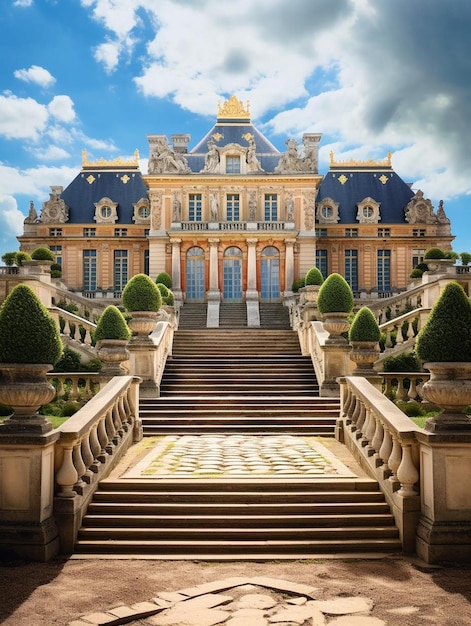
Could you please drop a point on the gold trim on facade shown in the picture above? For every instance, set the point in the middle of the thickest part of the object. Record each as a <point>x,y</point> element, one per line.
<point>233,109</point>
<point>353,163</point>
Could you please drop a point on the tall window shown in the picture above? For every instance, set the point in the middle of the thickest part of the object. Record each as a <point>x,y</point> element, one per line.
<point>321,262</point>
<point>195,207</point>
<point>232,207</point>
<point>417,257</point>
<point>120,269</point>
<point>232,164</point>
<point>271,207</point>
<point>57,251</point>
<point>384,270</point>
<point>89,270</point>
<point>351,268</point>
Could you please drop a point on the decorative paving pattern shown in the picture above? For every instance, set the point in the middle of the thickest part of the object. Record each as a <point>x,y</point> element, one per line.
<point>212,456</point>
<point>241,602</point>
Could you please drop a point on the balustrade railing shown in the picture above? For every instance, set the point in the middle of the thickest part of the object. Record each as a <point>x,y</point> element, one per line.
<point>402,330</point>
<point>90,444</point>
<point>75,385</point>
<point>384,441</point>
<point>76,328</point>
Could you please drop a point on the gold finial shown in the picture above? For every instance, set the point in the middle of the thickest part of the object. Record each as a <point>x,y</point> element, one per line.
<point>353,163</point>
<point>119,162</point>
<point>234,109</point>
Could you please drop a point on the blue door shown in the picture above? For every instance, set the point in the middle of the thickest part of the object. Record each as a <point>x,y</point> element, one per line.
<point>232,271</point>
<point>270,274</point>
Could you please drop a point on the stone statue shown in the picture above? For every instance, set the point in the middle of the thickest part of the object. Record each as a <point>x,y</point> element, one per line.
<point>163,160</point>
<point>177,210</point>
<point>289,161</point>
<point>289,207</point>
<point>441,215</point>
<point>252,207</point>
<point>211,162</point>
<point>253,164</point>
<point>214,207</point>
<point>32,215</point>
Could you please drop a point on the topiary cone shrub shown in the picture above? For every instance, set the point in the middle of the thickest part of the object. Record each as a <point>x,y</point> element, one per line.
<point>28,334</point>
<point>444,344</point>
<point>43,254</point>
<point>164,292</point>
<point>335,295</point>
<point>141,294</point>
<point>313,277</point>
<point>112,325</point>
<point>364,326</point>
<point>165,279</point>
<point>434,253</point>
<point>21,257</point>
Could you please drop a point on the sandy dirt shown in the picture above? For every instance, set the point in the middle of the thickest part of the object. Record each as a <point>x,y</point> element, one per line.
<point>404,592</point>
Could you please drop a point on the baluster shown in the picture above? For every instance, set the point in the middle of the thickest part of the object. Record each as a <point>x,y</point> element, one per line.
<point>74,393</point>
<point>394,458</point>
<point>399,337</point>
<point>370,431</point>
<point>60,388</point>
<point>66,328</point>
<point>67,475</point>
<point>88,388</point>
<point>103,439</point>
<point>347,404</point>
<point>377,440</point>
<point>388,388</point>
<point>88,338</point>
<point>110,431</point>
<point>388,342</point>
<point>386,448</point>
<point>87,456</point>
<point>366,427</point>
<point>412,395</point>
<point>410,330</point>
<point>79,464</point>
<point>360,421</point>
<point>95,448</point>
<point>407,473</point>
<point>123,416</point>
<point>401,393</point>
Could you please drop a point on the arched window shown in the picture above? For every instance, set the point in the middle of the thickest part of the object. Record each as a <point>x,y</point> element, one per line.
<point>232,271</point>
<point>270,274</point>
<point>195,274</point>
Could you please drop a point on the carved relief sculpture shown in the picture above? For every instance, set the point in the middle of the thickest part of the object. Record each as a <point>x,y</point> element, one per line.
<point>252,206</point>
<point>55,209</point>
<point>420,211</point>
<point>176,208</point>
<point>211,163</point>
<point>289,208</point>
<point>308,203</point>
<point>32,217</point>
<point>213,207</point>
<point>289,161</point>
<point>155,209</point>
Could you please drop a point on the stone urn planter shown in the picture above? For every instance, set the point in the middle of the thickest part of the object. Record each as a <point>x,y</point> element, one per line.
<point>444,345</point>
<point>336,323</point>
<point>449,387</point>
<point>113,352</point>
<point>364,354</point>
<point>142,323</point>
<point>142,298</point>
<point>364,336</point>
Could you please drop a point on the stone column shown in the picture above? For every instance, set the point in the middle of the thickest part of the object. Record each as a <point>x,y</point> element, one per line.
<point>214,294</point>
<point>289,266</point>
<point>251,295</point>
<point>176,274</point>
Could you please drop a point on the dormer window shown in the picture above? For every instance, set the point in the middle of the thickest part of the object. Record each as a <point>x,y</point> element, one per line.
<point>368,211</point>
<point>105,211</point>
<point>233,164</point>
<point>328,211</point>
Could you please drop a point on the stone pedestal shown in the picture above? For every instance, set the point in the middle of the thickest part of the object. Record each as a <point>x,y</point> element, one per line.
<point>27,527</point>
<point>143,363</point>
<point>336,364</point>
<point>444,530</point>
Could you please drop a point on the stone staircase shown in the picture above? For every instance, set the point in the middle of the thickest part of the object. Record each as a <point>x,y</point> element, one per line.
<point>237,519</point>
<point>225,382</point>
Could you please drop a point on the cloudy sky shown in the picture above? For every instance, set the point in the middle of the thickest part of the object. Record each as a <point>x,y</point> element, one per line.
<point>370,75</point>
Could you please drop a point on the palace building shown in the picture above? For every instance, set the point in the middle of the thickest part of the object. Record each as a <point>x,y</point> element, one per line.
<point>234,219</point>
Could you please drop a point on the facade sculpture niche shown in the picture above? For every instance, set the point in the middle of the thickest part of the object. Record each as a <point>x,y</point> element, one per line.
<point>53,210</point>
<point>420,211</point>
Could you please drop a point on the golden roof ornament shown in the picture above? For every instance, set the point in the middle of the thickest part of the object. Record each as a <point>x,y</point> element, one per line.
<point>119,162</point>
<point>233,109</point>
<point>353,163</point>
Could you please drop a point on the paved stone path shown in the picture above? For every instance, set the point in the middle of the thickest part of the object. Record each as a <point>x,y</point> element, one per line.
<point>241,602</point>
<point>238,455</point>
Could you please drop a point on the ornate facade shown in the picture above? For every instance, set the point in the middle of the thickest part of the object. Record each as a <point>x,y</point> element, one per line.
<point>235,219</point>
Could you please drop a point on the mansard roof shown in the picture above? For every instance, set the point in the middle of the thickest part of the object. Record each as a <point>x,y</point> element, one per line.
<point>119,180</point>
<point>348,183</point>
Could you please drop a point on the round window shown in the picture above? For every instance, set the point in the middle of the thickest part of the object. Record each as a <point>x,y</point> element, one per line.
<point>144,211</point>
<point>368,211</point>
<point>105,211</point>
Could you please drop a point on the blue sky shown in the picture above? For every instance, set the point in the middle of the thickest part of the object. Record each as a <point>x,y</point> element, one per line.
<point>370,75</point>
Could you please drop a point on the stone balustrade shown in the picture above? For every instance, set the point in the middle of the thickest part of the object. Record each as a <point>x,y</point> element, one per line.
<point>405,337</point>
<point>78,329</point>
<point>404,386</point>
<point>76,385</point>
<point>384,442</point>
<point>90,444</point>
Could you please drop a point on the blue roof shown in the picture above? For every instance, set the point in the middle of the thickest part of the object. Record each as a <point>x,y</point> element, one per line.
<point>124,186</point>
<point>349,186</point>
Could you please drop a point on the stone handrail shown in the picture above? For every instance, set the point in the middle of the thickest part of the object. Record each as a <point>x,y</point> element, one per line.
<point>82,384</point>
<point>391,307</point>
<point>384,442</point>
<point>90,444</point>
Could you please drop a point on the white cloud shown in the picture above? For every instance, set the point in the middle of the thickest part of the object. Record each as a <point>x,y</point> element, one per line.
<point>35,74</point>
<point>23,3</point>
<point>51,153</point>
<point>34,182</point>
<point>21,118</point>
<point>11,218</point>
<point>108,54</point>
<point>62,108</point>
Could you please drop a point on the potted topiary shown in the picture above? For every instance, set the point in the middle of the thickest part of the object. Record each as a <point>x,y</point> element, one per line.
<point>438,261</point>
<point>141,297</point>
<point>112,335</point>
<point>43,254</point>
<point>335,302</point>
<point>30,345</point>
<point>444,345</point>
<point>313,277</point>
<point>364,336</point>
<point>165,279</point>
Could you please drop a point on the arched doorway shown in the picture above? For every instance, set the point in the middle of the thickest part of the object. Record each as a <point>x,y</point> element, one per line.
<point>270,268</point>
<point>195,278</point>
<point>232,273</point>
